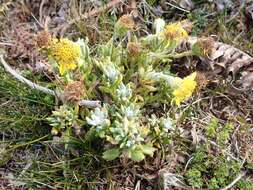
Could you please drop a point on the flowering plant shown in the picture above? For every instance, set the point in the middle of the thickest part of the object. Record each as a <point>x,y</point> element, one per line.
<point>130,76</point>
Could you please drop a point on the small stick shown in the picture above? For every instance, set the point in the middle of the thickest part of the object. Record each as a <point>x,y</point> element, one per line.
<point>95,12</point>
<point>15,74</point>
<point>90,103</point>
<point>240,175</point>
<point>24,80</point>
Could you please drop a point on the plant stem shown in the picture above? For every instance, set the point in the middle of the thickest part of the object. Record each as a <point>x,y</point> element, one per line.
<point>180,55</point>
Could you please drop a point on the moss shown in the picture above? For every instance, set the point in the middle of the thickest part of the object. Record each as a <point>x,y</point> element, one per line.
<point>209,171</point>
<point>221,133</point>
<point>211,128</point>
<point>245,184</point>
<point>224,134</point>
<point>194,178</point>
<point>213,184</point>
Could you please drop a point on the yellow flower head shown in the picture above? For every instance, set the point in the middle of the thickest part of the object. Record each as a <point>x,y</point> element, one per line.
<point>185,89</point>
<point>66,53</point>
<point>174,31</point>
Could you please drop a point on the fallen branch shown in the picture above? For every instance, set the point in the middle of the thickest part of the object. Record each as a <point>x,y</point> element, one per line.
<point>15,74</point>
<point>24,80</point>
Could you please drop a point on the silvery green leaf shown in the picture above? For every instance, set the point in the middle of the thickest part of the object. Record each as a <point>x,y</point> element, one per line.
<point>111,72</point>
<point>159,25</point>
<point>158,76</point>
<point>167,123</point>
<point>98,117</point>
<point>124,92</point>
<point>130,111</point>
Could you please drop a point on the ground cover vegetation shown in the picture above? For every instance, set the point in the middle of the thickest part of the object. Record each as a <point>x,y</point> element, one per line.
<point>126,94</point>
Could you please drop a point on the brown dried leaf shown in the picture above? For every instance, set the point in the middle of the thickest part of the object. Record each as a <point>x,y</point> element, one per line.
<point>233,61</point>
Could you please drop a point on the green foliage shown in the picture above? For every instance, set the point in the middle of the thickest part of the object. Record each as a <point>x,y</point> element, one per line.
<point>23,112</point>
<point>211,128</point>
<point>213,184</point>
<point>224,134</point>
<point>152,2</point>
<point>221,133</point>
<point>209,171</point>
<point>62,118</point>
<point>198,17</point>
<point>132,77</point>
<point>245,184</point>
<point>111,154</point>
<point>22,109</point>
<point>194,178</point>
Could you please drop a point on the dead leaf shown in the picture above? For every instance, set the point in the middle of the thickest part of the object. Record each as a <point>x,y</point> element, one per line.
<point>231,60</point>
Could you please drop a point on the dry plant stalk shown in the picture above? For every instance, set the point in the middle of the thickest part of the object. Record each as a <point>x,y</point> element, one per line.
<point>87,103</point>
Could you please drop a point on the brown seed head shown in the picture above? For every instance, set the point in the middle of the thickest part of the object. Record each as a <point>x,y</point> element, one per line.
<point>43,39</point>
<point>127,22</point>
<point>133,48</point>
<point>207,45</point>
<point>201,80</point>
<point>74,91</point>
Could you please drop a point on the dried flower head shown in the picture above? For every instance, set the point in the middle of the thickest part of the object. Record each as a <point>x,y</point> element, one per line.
<point>133,48</point>
<point>201,80</point>
<point>124,24</point>
<point>187,25</point>
<point>174,31</point>
<point>66,53</point>
<point>126,21</point>
<point>74,91</point>
<point>43,39</point>
<point>185,89</point>
<point>24,43</point>
<point>203,47</point>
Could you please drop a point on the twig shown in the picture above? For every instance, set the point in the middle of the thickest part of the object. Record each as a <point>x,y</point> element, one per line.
<point>87,103</point>
<point>240,175</point>
<point>41,10</point>
<point>134,10</point>
<point>216,145</point>
<point>177,7</point>
<point>24,80</point>
<point>95,12</point>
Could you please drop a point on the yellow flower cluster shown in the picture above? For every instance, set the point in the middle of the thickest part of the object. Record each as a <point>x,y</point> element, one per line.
<point>174,31</point>
<point>185,89</point>
<point>66,53</point>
